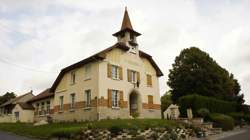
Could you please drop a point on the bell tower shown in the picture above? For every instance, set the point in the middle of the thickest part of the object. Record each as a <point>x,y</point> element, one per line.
<point>127,34</point>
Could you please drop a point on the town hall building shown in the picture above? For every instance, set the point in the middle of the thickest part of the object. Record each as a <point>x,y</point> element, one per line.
<point>118,82</point>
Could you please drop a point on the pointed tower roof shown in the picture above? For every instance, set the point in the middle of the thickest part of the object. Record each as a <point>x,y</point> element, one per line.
<point>126,21</point>
<point>126,25</point>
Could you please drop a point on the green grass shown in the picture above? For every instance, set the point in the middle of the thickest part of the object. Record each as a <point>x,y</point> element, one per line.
<point>45,131</point>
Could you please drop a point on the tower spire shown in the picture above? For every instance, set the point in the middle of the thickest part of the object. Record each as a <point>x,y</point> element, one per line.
<point>126,25</point>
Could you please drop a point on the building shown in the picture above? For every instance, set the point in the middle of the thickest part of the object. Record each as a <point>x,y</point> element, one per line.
<point>43,105</point>
<point>118,82</point>
<point>17,109</point>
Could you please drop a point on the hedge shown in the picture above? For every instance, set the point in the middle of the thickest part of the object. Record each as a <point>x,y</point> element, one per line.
<point>223,121</point>
<point>196,102</point>
<point>240,116</point>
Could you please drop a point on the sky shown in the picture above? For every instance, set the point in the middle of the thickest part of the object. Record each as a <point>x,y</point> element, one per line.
<point>39,38</point>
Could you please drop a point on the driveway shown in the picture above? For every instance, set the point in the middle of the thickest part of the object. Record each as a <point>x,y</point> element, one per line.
<point>9,136</point>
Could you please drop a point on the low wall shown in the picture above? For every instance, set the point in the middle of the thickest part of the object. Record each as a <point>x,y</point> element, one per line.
<point>5,118</point>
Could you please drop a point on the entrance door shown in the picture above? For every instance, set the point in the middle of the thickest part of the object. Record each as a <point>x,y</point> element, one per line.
<point>133,103</point>
<point>17,116</point>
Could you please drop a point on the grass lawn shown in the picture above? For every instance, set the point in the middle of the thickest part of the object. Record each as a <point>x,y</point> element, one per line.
<point>45,131</point>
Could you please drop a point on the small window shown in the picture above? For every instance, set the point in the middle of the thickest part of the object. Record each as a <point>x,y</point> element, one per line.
<point>72,104</point>
<point>73,77</point>
<point>114,98</point>
<point>87,71</point>
<point>149,80</point>
<point>114,72</point>
<point>61,103</point>
<point>37,106</point>
<point>150,99</point>
<point>48,107</point>
<point>133,49</point>
<point>42,109</point>
<point>88,98</point>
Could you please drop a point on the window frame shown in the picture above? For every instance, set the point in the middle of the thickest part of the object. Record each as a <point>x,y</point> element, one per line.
<point>87,71</point>
<point>61,103</point>
<point>115,69</point>
<point>48,107</point>
<point>87,96</point>
<point>115,98</point>
<point>73,78</point>
<point>72,102</point>
<point>133,79</point>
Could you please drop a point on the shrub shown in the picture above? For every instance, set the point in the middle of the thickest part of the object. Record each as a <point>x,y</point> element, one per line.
<point>115,130</point>
<point>65,132</point>
<point>197,102</point>
<point>240,117</point>
<point>135,114</point>
<point>203,112</point>
<point>223,121</point>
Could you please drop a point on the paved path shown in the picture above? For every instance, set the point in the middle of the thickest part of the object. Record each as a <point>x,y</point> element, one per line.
<point>9,136</point>
<point>242,136</point>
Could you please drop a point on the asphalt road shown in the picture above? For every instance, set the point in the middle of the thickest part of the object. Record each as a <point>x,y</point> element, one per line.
<point>241,136</point>
<point>9,136</point>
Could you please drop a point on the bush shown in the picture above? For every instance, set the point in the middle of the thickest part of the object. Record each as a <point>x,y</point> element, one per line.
<point>65,132</point>
<point>203,112</point>
<point>197,102</point>
<point>240,117</point>
<point>115,130</point>
<point>135,115</point>
<point>223,121</point>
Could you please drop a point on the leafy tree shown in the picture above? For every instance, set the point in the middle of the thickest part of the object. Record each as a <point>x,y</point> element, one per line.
<point>194,71</point>
<point>166,101</point>
<point>6,97</point>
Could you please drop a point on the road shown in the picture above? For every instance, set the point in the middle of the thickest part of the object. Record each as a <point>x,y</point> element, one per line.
<point>242,136</point>
<point>9,136</point>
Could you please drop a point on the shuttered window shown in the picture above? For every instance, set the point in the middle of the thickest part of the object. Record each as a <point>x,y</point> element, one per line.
<point>115,98</point>
<point>149,80</point>
<point>150,99</point>
<point>133,76</point>
<point>114,72</point>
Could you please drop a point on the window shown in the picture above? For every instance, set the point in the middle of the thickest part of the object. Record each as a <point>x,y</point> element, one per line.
<point>42,109</point>
<point>61,103</point>
<point>88,98</point>
<point>73,77</point>
<point>114,98</point>
<point>48,107</point>
<point>150,99</point>
<point>87,71</point>
<point>37,107</point>
<point>114,72</point>
<point>72,96</point>
<point>133,49</point>
<point>133,76</point>
<point>149,80</point>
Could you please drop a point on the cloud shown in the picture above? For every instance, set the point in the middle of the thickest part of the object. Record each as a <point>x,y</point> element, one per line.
<point>49,35</point>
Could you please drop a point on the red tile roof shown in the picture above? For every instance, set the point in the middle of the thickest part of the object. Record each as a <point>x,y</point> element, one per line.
<point>43,95</point>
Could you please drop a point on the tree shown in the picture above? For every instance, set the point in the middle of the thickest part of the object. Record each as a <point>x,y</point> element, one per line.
<point>165,102</point>
<point>195,72</point>
<point>6,97</point>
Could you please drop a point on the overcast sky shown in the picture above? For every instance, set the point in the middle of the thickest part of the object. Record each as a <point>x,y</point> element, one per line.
<point>40,37</point>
